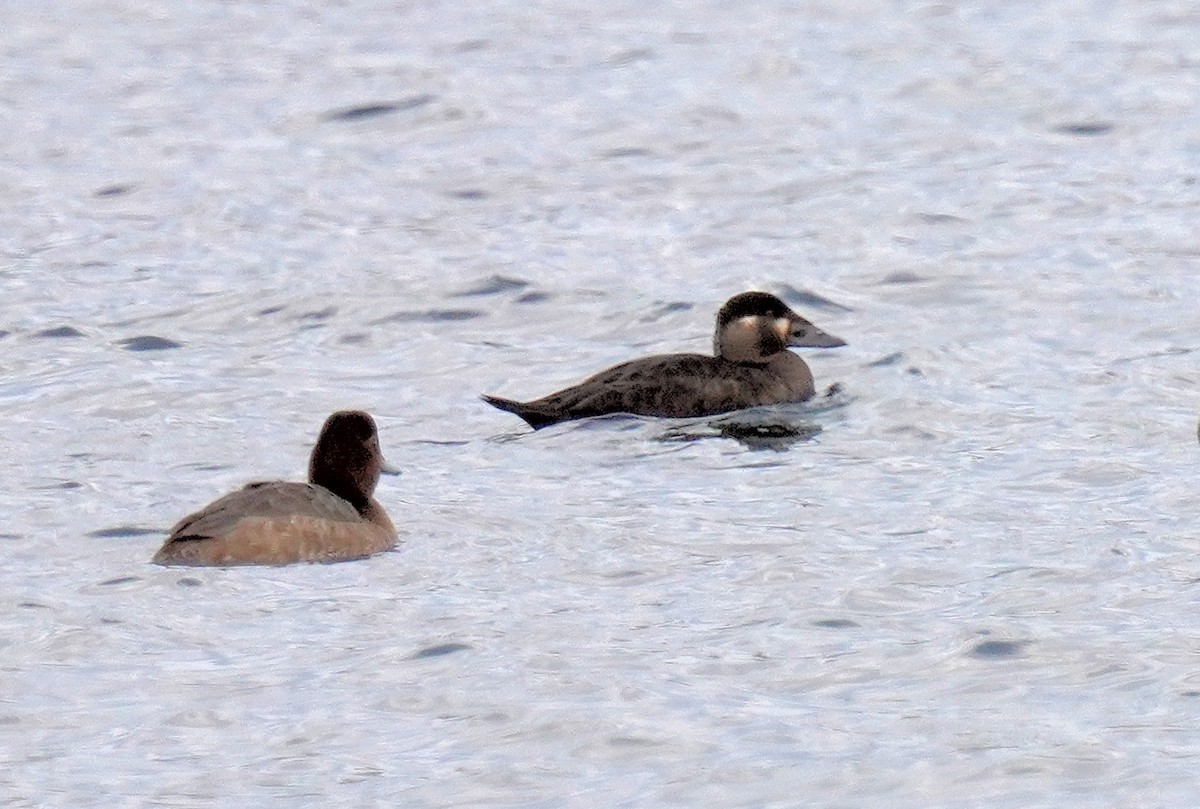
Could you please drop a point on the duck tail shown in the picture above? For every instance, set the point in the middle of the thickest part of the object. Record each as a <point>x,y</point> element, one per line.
<point>533,417</point>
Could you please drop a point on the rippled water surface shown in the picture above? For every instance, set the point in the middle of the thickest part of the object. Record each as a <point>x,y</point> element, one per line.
<point>969,578</point>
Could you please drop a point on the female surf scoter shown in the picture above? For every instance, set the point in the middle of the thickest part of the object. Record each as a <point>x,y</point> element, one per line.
<point>332,518</point>
<point>752,367</point>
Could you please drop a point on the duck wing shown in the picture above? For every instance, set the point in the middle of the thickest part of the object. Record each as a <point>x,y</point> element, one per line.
<point>668,385</point>
<point>268,500</point>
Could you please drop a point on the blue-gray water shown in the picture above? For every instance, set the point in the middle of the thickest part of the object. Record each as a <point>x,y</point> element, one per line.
<point>976,585</point>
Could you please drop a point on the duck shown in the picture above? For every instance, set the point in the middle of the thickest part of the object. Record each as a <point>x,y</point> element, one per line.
<point>332,518</point>
<point>750,366</point>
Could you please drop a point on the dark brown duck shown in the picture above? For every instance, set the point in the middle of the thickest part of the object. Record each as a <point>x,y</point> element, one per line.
<point>332,518</point>
<point>752,366</point>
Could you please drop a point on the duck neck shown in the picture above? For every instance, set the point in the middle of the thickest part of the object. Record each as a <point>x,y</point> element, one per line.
<point>343,484</point>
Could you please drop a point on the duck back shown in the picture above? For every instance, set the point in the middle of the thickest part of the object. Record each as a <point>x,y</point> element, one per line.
<point>277,523</point>
<point>671,386</point>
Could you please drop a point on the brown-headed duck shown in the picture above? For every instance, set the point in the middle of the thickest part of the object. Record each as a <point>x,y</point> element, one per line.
<point>332,518</point>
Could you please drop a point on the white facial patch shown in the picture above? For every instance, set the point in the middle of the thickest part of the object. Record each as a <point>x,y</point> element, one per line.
<point>746,323</point>
<point>738,339</point>
<point>783,327</point>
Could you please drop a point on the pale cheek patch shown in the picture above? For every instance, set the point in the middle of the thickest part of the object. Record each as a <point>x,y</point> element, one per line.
<point>783,327</point>
<point>745,334</point>
<point>746,326</point>
<point>742,339</point>
<point>741,332</point>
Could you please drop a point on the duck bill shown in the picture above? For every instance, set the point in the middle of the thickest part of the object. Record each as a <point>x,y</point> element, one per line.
<point>387,469</point>
<point>805,335</point>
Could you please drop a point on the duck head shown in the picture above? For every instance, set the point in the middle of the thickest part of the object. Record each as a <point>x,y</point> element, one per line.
<point>347,459</point>
<point>754,326</point>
